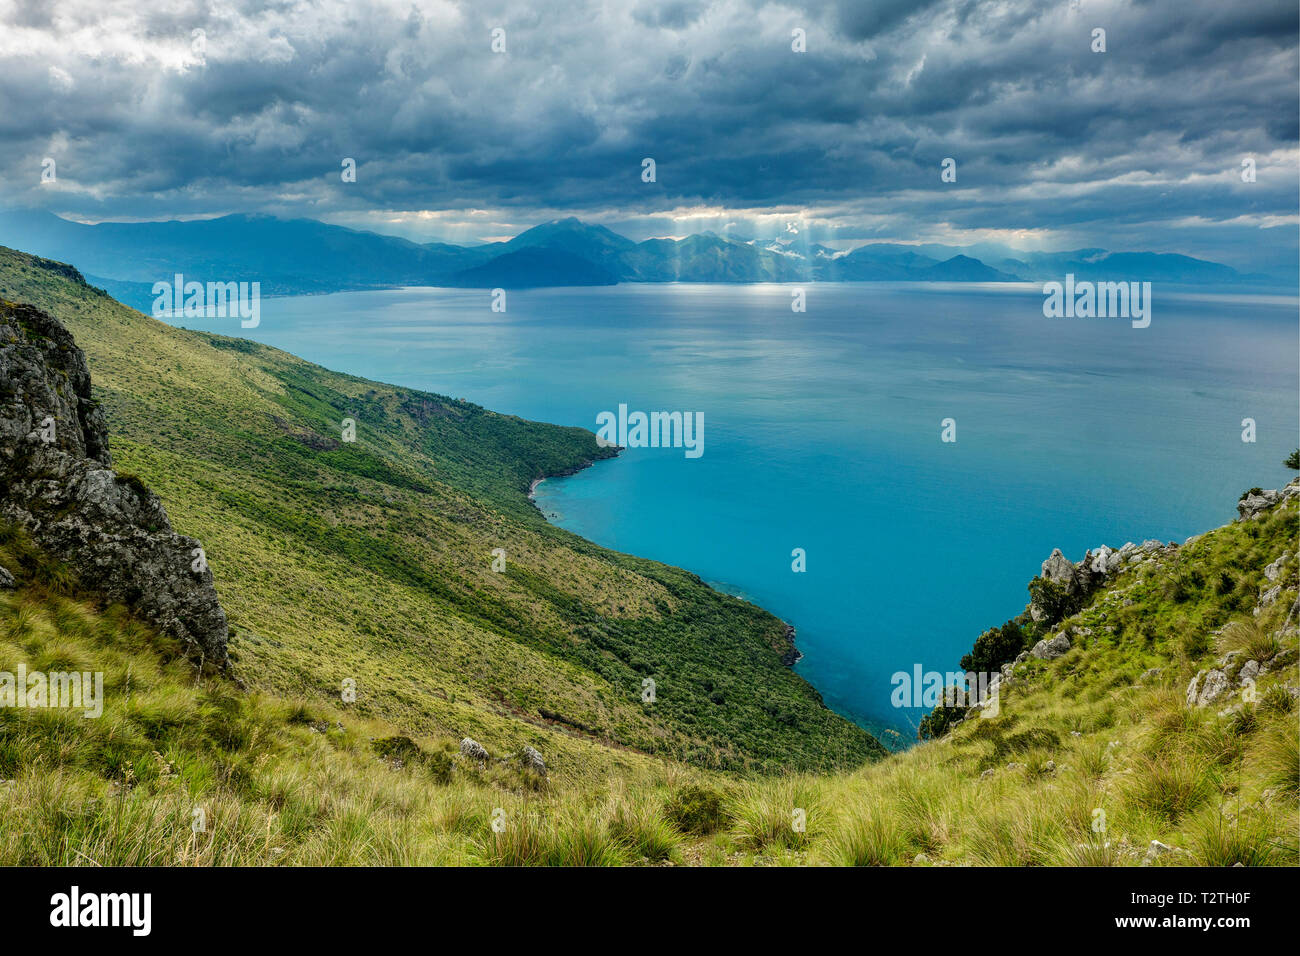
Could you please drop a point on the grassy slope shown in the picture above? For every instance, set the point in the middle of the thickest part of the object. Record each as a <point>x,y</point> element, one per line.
<point>300,782</point>
<point>372,560</point>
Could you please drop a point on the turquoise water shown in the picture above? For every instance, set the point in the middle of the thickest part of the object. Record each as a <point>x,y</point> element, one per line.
<point>822,432</point>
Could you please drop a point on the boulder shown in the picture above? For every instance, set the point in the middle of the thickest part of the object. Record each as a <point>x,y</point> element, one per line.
<point>473,750</point>
<point>1050,650</point>
<point>1194,689</point>
<point>1254,505</point>
<point>57,482</point>
<point>533,761</point>
<point>1211,688</point>
<point>1058,568</point>
<point>7,582</point>
<point>1249,672</point>
<point>1274,570</point>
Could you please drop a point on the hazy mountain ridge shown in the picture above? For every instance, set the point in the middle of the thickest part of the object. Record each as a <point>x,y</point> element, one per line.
<point>302,256</point>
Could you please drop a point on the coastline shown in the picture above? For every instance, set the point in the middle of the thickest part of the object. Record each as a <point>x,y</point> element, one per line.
<point>532,485</point>
<point>790,654</point>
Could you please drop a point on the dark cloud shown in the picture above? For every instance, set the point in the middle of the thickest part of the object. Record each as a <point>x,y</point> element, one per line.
<point>1053,142</point>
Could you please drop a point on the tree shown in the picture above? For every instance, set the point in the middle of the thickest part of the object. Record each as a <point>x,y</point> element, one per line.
<point>1294,460</point>
<point>995,647</point>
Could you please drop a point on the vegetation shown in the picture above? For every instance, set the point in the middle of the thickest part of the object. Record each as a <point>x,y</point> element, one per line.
<point>1091,759</point>
<point>373,562</point>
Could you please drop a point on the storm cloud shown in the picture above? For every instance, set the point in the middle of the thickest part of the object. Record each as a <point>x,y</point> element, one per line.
<point>168,108</point>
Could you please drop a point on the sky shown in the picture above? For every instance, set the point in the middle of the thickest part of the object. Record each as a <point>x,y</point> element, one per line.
<point>1056,145</point>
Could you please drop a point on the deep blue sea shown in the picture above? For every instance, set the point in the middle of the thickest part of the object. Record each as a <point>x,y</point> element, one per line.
<point>823,432</point>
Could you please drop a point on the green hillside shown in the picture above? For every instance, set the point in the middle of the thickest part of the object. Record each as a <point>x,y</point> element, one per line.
<point>1093,756</point>
<point>371,560</point>
<point>1161,730</point>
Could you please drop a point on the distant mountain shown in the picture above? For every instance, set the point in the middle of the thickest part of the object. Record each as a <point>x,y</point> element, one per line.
<point>595,244</point>
<point>294,256</point>
<point>709,258</point>
<point>533,267</point>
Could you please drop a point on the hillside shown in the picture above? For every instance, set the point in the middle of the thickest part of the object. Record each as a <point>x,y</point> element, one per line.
<point>372,560</point>
<point>1147,711</point>
<point>1098,757</point>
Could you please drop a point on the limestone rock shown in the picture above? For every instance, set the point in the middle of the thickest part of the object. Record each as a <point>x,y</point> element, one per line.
<point>1058,569</point>
<point>473,750</point>
<point>1194,689</point>
<point>58,483</point>
<point>1210,689</point>
<point>1050,650</point>
<point>1274,570</point>
<point>533,761</point>
<point>7,581</point>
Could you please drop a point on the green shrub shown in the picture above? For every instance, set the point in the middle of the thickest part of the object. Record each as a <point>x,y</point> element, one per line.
<point>697,809</point>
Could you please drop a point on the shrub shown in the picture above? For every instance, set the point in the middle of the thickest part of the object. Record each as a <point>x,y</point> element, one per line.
<point>1053,599</point>
<point>868,839</point>
<point>1255,642</point>
<point>997,645</point>
<point>697,809</point>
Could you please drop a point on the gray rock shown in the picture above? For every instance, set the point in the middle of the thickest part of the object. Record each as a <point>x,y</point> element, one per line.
<point>1268,598</point>
<point>1252,506</point>
<point>1149,673</point>
<point>1050,650</point>
<point>1212,688</point>
<point>7,582</point>
<point>1099,560</point>
<point>1194,689</point>
<point>1249,671</point>
<point>1058,569</point>
<point>1157,850</point>
<point>57,482</point>
<point>473,749</point>
<point>1274,570</point>
<point>533,761</point>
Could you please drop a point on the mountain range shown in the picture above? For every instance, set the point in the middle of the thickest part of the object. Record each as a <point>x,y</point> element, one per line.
<point>303,256</point>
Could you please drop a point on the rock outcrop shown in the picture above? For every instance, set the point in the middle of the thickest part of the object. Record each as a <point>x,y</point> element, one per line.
<point>1207,687</point>
<point>57,482</point>
<point>1255,502</point>
<point>473,750</point>
<point>1051,649</point>
<point>533,761</point>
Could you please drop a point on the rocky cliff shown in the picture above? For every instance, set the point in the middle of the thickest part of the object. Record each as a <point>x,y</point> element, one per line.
<point>57,482</point>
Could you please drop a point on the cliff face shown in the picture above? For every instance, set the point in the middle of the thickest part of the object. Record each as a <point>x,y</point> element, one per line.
<point>57,481</point>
